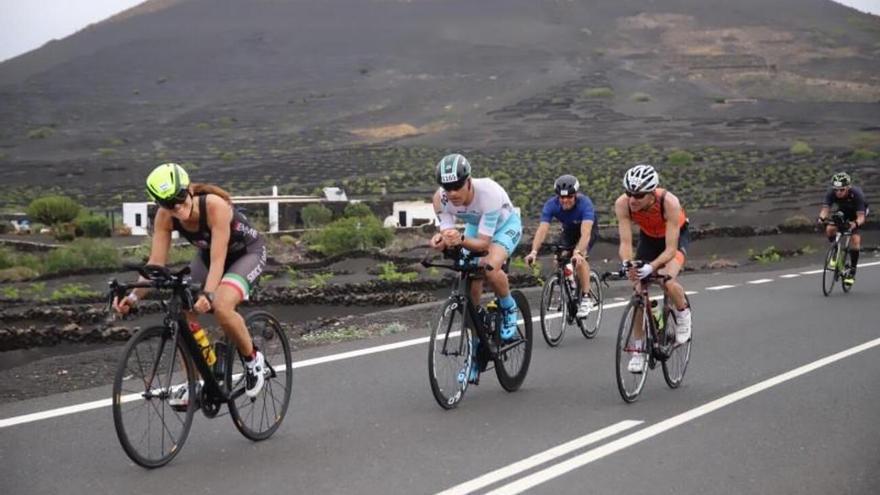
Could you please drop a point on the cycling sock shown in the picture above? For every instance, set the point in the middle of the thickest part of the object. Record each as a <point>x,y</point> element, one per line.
<point>507,302</point>
<point>854,256</point>
<point>250,359</point>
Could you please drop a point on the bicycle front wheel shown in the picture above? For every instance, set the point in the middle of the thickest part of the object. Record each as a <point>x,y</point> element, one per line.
<point>830,271</point>
<point>512,361</point>
<point>554,312</point>
<point>151,371</point>
<point>590,325</point>
<point>259,417</point>
<point>450,355</point>
<point>630,383</point>
<point>676,364</point>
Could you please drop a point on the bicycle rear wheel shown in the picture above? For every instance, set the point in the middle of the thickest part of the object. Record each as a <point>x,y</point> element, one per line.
<point>830,275</point>
<point>152,368</point>
<point>512,363</point>
<point>554,312</point>
<point>450,355</point>
<point>258,418</point>
<point>676,364</point>
<point>630,384</point>
<point>590,325</point>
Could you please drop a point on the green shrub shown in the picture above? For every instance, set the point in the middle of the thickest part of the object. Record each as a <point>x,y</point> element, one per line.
<point>796,221</point>
<point>315,215</point>
<point>17,274</point>
<point>769,255</point>
<point>9,292</point>
<point>863,155</point>
<point>351,234</point>
<point>319,280</point>
<point>353,210</point>
<point>64,232</point>
<point>72,291</point>
<point>680,157</point>
<point>390,273</point>
<point>94,226</point>
<point>287,239</point>
<point>83,254</point>
<point>40,133</point>
<point>603,92</point>
<point>800,148</point>
<point>52,210</point>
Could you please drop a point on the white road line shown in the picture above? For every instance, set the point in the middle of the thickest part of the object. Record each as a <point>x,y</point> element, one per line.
<point>538,459</point>
<point>760,281</point>
<point>597,453</point>
<point>691,292</point>
<point>790,275</point>
<point>812,272</point>
<point>720,287</point>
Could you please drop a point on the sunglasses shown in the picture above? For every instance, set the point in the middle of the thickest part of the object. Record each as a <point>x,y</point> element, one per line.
<point>839,189</point>
<point>170,203</point>
<point>453,186</point>
<point>636,195</point>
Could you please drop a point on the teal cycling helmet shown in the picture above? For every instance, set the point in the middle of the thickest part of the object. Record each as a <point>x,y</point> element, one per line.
<point>453,171</point>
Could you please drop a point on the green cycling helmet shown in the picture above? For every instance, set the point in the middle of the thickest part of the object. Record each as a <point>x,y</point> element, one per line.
<point>841,179</point>
<point>167,184</point>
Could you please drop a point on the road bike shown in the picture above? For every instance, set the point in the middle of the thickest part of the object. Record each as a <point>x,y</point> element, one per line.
<point>659,337</point>
<point>837,260</point>
<point>561,298</point>
<point>462,325</point>
<point>160,359</point>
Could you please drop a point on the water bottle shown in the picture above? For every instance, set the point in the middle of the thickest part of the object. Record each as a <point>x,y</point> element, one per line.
<point>658,315</point>
<point>569,275</point>
<point>205,347</point>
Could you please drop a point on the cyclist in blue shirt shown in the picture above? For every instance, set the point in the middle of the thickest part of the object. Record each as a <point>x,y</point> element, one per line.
<point>580,228</point>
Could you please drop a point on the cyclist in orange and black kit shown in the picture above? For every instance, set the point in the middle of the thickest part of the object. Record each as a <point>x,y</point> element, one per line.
<point>663,241</point>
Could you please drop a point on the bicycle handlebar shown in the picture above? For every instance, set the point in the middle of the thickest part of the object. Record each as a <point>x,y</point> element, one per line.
<point>462,262</point>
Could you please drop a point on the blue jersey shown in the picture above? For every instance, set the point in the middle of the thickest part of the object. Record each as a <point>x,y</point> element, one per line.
<point>571,219</point>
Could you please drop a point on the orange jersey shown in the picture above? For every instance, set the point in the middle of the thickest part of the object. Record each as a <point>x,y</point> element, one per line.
<point>651,221</point>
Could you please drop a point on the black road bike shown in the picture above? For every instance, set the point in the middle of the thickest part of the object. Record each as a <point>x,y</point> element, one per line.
<point>463,324</point>
<point>560,300</point>
<point>659,344</point>
<point>160,359</point>
<point>837,261</point>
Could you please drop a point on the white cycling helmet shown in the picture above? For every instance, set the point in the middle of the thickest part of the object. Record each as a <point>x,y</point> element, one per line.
<point>641,179</point>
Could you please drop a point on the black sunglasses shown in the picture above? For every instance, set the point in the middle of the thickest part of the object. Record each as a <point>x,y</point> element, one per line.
<point>453,186</point>
<point>170,203</point>
<point>636,195</point>
<point>839,189</point>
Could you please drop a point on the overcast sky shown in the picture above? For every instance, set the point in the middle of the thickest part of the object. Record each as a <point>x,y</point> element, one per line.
<point>28,24</point>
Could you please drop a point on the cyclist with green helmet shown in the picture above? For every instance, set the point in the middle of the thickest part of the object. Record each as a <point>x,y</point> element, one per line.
<point>491,225</point>
<point>231,256</point>
<point>849,200</point>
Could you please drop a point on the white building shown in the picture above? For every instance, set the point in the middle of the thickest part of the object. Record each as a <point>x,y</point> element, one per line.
<point>136,215</point>
<point>411,214</point>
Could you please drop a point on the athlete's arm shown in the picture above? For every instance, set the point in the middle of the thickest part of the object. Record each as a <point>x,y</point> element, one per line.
<point>540,235</point>
<point>624,228</point>
<point>446,221</point>
<point>586,231</point>
<point>673,212</point>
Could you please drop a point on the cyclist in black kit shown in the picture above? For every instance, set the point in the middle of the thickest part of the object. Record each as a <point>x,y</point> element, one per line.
<point>231,256</point>
<point>849,200</point>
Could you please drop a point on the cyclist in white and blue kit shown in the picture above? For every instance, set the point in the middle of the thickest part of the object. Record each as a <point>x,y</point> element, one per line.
<point>491,225</point>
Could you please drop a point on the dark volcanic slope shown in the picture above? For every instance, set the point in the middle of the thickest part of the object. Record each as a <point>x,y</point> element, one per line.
<point>197,78</point>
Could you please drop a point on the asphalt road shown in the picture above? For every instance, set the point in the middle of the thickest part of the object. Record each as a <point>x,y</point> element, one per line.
<point>780,397</point>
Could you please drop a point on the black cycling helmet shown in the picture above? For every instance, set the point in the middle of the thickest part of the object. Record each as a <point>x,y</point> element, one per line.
<point>453,171</point>
<point>566,185</point>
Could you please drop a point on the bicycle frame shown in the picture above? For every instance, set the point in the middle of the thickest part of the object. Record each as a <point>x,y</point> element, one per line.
<point>175,320</point>
<point>643,302</point>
